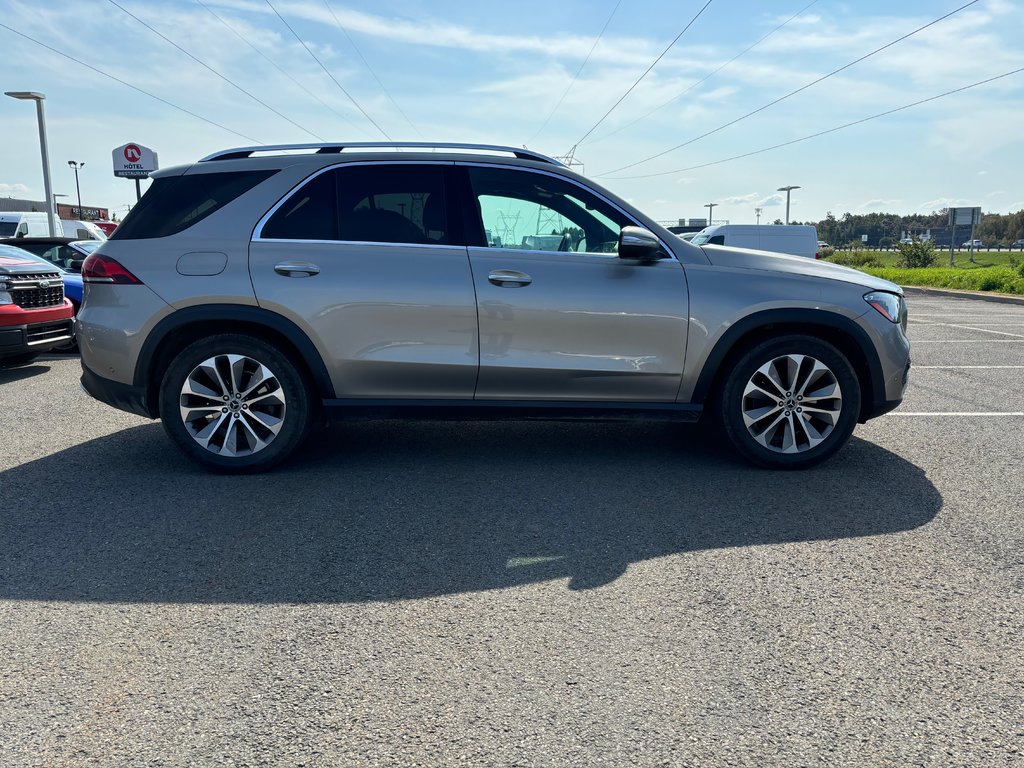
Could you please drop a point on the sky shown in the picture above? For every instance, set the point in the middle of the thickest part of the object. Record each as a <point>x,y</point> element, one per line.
<point>528,72</point>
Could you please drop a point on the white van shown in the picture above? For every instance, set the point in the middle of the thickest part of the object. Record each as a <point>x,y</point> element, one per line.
<point>26,224</point>
<point>794,239</point>
<point>82,230</point>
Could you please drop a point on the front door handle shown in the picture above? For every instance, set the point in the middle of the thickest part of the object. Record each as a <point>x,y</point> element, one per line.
<point>509,278</point>
<point>296,269</point>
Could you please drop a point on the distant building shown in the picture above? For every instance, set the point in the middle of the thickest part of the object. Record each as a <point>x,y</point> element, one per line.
<point>64,210</point>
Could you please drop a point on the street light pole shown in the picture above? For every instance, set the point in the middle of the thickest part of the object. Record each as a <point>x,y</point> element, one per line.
<point>787,190</point>
<point>757,211</point>
<point>43,149</point>
<point>711,208</point>
<point>75,166</point>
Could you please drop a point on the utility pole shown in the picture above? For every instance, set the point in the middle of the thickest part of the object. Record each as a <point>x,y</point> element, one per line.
<point>787,190</point>
<point>75,166</point>
<point>711,208</point>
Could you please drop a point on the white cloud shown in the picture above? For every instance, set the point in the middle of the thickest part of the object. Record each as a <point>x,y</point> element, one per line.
<point>878,204</point>
<point>14,190</point>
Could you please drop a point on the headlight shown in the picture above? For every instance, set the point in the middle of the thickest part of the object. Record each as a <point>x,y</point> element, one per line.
<point>889,305</point>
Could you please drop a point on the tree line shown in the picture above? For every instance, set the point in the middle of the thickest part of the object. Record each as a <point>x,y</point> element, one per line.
<point>886,228</point>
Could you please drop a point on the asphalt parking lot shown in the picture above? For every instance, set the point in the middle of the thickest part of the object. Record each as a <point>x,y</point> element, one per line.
<point>525,593</point>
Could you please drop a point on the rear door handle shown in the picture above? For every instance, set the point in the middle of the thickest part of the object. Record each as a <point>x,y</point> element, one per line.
<point>509,278</point>
<point>296,269</point>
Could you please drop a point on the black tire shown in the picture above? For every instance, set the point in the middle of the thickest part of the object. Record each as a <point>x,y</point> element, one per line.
<point>730,404</point>
<point>14,361</point>
<point>291,389</point>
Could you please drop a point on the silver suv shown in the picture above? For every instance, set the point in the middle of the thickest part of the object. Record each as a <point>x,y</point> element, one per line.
<point>263,287</point>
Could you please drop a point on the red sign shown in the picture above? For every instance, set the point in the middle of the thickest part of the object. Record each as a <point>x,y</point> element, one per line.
<point>132,153</point>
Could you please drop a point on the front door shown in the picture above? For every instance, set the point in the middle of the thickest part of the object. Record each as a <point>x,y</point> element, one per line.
<point>561,316</point>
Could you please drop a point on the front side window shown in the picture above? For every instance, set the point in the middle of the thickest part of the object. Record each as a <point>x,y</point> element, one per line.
<point>367,203</point>
<point>537,212</point>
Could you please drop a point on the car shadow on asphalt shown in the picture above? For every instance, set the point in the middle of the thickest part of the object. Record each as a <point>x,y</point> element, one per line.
<point>9,375</point>
<point>390,510</point>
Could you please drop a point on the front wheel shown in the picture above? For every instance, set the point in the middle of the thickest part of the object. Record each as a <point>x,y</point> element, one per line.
<point>790,402</point>
<point>234,403</point>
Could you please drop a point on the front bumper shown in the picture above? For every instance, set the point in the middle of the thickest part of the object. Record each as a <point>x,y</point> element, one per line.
<point>29,338</point>
<point>126,397</point>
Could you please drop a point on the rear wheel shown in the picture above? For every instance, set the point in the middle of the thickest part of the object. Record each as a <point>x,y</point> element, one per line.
<point>234,403</point>
<point>790,403</point>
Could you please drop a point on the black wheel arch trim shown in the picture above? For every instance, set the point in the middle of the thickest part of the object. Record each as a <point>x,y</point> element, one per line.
<point>240,313</point>
<point>790,317</point>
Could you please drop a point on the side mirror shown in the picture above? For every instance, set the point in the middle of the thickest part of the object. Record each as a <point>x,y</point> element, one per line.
<point>639,243</point>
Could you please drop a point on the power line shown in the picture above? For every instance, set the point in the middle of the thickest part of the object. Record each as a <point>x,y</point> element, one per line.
<point>822,133</point>
<point>274,64</point>
<point>578,71</point>
<point>793,93</point>
<point>202,63</point>
<point>706,77</point>
<point>327,71</point>
<point>646,72</point>
<point>367,64</point>
<point>99,71</point>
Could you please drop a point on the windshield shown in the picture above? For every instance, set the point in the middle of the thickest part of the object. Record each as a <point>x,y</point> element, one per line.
<point>700,239</point>
<point>86,246</point>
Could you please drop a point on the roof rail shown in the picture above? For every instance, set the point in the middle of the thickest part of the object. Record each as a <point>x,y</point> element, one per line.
<point>324,149</point>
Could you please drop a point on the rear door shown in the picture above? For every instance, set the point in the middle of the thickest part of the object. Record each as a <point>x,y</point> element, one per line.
<point>362,257</point>
<point>561,316</point>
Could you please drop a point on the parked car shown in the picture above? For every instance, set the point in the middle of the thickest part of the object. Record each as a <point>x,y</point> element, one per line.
<point>65,252</point>
<point>262,287</point>
<point>794,239</point>
<point>1018,243</point>
<point>973,244</point>
<point>108,227</point>
<point>35,316</point>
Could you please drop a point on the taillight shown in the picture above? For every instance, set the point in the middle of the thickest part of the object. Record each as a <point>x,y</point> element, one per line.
<point>103,269</point>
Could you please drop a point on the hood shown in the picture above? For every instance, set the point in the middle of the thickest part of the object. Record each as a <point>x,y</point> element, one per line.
<point>744,258</point>
<point>27,264</point>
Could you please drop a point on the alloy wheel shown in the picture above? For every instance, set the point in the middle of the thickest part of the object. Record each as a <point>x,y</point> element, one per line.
<point>232,405</point>
<point>792,403</point>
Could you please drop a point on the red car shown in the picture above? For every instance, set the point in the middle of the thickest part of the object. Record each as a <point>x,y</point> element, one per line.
<point>34,314</point>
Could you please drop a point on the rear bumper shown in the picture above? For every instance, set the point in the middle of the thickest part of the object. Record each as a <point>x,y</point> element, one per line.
<point>126,397</point>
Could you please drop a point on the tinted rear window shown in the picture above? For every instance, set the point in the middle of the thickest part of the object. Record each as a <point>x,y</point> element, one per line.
<point>174,203</point>
<point>389,203</point>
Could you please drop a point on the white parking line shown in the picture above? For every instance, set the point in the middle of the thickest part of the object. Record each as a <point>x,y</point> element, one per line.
<point>967,367</point>
<point>966,414</point>
<point>970,328</point>
<point>915,342</point>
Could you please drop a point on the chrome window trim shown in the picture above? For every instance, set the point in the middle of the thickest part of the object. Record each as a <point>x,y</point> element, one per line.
<point>373,243</point>
<point>257,236</point>
<point>257,233</point>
